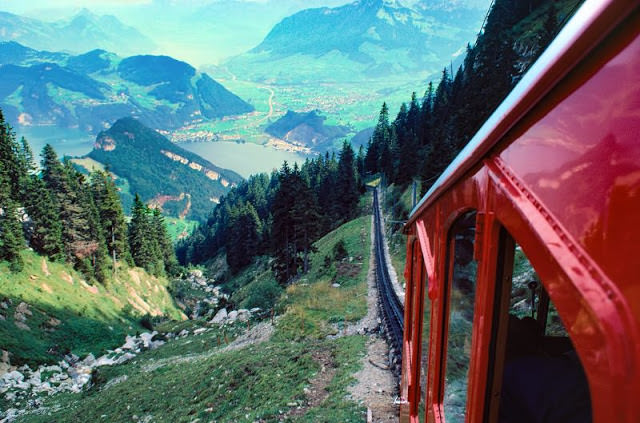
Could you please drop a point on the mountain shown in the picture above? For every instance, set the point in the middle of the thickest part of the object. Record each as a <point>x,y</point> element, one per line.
<point>180,182</point>
<point>366,38</point>
<point>92,90</point>
<point>82,32</point>
<point>307,129</point>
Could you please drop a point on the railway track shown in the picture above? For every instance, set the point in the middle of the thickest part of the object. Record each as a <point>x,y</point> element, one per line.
<point>391,309</point>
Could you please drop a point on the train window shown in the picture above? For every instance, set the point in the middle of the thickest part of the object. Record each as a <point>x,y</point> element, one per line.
<point>461,302</point>
<point>424,360</point>
<point>536,374</point>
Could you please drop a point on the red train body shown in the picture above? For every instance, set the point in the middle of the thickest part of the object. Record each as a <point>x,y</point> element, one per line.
<point>554,174</point>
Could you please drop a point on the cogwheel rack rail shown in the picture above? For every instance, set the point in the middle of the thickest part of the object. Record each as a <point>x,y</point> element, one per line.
<point>391,309</point>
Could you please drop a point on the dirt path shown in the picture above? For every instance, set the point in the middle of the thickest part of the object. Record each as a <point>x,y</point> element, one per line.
<point>377,387</point>
<point>317,391</point>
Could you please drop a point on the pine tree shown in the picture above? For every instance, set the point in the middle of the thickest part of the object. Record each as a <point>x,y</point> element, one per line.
<point>166,254</point>
<point>45,235</point>
<point>245,233</point>
<point>11,239</point>
<point>112,221</point>
<point>347,186</point>
<point>142,242</point>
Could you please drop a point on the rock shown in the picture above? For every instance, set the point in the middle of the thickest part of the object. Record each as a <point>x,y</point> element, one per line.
<point>125,357</point>
<point>24,309</point>
<point>71,358</point>
<point>89,361</point>
<point>130,343</point>
<point>196,273</point>
<point>255,310</point>
<point>14,376</point>
<point>146,338</point>
<point>21,325</point>
<point>335,285</point>
<point>233,315</point>
<point>243,315</point>
<point>5,356</point>
<point>2,318</point>
<point>220,316</point>
<point>104,361</point>
<point>183,333</point>
<point>199,331</point>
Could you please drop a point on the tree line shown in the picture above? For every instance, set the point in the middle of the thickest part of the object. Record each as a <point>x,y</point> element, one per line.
<point>281,214</point>
<point>284,213</point>
<point>64,215</point>
<point>430,131</point>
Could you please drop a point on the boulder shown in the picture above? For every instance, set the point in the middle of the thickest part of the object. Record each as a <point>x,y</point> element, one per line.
<point>146,338</point>
<point>220,316</point>
<point>130,343</point>
<point>14,376</point>
<point>89,361</point>
<point>243,315</point>
<point>233,316</point>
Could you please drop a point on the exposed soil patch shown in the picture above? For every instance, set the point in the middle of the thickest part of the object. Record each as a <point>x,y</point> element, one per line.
<point>317,391</point>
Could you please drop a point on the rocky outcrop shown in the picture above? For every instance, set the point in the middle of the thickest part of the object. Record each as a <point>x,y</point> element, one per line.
<point>71,374</point>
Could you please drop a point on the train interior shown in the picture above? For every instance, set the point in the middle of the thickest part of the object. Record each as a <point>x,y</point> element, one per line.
<point>535,375</point>
<point>542,379</point>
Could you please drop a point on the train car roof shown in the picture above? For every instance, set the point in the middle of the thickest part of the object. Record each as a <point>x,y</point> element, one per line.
<point>591,23</point>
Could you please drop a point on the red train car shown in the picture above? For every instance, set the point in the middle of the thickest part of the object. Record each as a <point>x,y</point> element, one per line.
<point>523,278</point>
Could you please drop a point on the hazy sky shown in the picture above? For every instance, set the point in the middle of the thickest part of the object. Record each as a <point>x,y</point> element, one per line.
<point>200,32</point>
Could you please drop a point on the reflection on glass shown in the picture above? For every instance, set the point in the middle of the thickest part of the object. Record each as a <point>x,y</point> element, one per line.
<point>424,360</point>
<point>461,305</point>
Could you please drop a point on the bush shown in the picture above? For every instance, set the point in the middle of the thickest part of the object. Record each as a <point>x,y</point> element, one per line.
<point>263,294</point>
<point>340,250</point>
<point>145,322</point>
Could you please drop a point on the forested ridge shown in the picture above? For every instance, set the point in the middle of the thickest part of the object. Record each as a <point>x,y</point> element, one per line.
<point>61,214</point>
<point>282,214</point>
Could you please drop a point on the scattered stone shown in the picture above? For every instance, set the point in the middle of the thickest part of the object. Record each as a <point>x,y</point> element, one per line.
<point>183,333</point>
<point>220,316</point>
<point>24,309</point>
<point>22,325</point>
<point>199,331</point>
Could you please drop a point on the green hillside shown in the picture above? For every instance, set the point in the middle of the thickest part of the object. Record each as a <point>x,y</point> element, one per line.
<point>182,183</point>
<point>198,377</point>
<point>65,314</point>
<point>92,90</point>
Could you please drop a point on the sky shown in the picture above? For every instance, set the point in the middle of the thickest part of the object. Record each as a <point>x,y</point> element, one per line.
<point>201,32</point>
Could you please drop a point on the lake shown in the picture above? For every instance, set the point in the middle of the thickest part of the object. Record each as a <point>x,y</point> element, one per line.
<point>246,159</point>
<point>70,142</point>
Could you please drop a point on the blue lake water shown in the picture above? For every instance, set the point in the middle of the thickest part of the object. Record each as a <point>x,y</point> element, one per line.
<point>245,159</point>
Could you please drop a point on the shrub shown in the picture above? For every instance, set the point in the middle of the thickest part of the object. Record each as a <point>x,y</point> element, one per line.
<point>263,294</point>
<point>340,250</point>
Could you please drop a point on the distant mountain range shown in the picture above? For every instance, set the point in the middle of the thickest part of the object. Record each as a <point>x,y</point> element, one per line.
<point>92,90</point>
<point>182,183</point>
<point>83,32</point>
<point>364,39</point>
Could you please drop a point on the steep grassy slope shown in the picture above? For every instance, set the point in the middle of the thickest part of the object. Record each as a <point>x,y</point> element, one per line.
<point>62,313</point>
<point>298,375</point>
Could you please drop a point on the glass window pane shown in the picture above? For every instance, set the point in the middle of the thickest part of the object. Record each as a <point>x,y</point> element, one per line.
<point>461,305</point>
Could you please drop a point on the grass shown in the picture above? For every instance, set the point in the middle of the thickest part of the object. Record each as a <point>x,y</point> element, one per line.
<point>191,378</point>
<point>70,315</point>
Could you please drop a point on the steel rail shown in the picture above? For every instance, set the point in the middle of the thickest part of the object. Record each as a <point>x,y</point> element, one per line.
<point>392,310</point>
